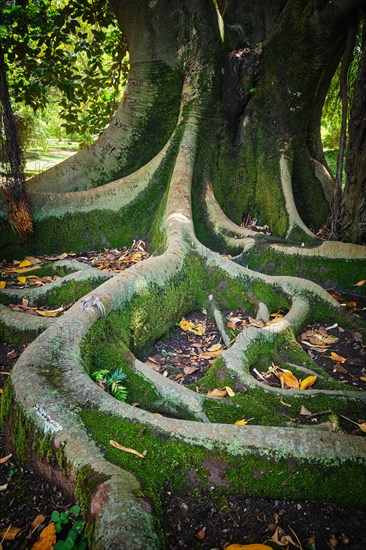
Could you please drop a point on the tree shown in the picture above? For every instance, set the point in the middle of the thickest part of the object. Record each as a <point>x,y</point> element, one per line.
<point>220,121</point>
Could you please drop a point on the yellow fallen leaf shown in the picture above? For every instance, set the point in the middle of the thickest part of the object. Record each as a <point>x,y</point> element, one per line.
<point>363,378</point>
<point>26,263</point>
<point>10,533</point>
<point>215,347</point>
<point>230,392</point>
<point>47,538</point>
<point>2,284</point>
<point>49,312</point>
<point>5,459</point>
<point>136,257</point>
<point>126,449</point>
<point>1,390</point>
<point>288,378</point>
<point>185,325</point>
<point>243,422</point>
<point>307,382</point>
<point>335,357</point>
<point>197,329</point>
<point>217,393</point>
<point>22,280</point>
<point>360,283</point>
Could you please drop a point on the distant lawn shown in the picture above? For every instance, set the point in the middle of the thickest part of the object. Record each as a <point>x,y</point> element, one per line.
<point>38,161</point>
<point>331,158</point>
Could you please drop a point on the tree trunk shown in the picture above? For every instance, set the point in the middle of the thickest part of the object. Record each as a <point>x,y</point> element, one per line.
<point>354,198</point>
<point>210,128</point>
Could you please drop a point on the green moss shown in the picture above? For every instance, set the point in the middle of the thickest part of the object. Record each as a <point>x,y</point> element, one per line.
<point>87,481</point>
<point>339,274</point>
<point>172,461</point>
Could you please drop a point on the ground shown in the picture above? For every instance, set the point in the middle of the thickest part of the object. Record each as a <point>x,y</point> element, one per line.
<point>188,521</point>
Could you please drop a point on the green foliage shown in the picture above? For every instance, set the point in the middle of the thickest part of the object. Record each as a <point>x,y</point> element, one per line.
<point>72,48</point>
<point>112,382</point>
<point>74,539</point>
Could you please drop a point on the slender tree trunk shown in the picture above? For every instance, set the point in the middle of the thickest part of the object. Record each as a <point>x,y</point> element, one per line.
<point>18,208</point>
<point>354,197</point>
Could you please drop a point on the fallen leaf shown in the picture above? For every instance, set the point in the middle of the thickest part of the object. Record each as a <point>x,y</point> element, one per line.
<point>363,378</point>
<point>210,355</point>
<point>22,280</point>
<point>288,378</point>
<point>2,284</point>
<point>5,459</point>
<point>243,422</point>
<point>307,382</point>
<point>217,393</point>
<point>335,357</point>
<point>3,487</point>
<point>256,322</point>
<point>360,283</point>
<point>126,449</point>
<point>201,534</point>
<point>351,305</point>
<point>1,390</point>
<point>37,521</point>
<point>50,312</point>
<point>284,403</point>
<point>338,368</point>
<point>304,411</point>
<point>10,533</point>
<point>230,392</point>
<point>136,257</point>
<point>231,325</point>
<point>47,538</point>
<point>26,263</point>
<point>25,302</point>
<point>215,347</point>
<point>189,370</point>
<point>362,426</point>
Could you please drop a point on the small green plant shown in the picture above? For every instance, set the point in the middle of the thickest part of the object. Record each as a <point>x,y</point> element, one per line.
<point>112,382</point>
<point>74,539</point>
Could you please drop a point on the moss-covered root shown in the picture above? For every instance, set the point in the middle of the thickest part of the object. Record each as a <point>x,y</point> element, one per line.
<point>325,262</point>
<point>21,328</point>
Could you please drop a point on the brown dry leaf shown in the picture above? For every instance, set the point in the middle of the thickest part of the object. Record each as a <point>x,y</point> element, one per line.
<point>230,392</point>
<point>288,378</point>
<point>126,449</point>
<point>316,340</point>
<point>338,368</point>
<point>189,370</point>
<point>50,312</point>
<point>2,284</point>
<point>47,538</point>
<point>361,425</point>
<point>360,283</point>
<point>37,521</point>
<point>256,322</point>
<point>217,393</point>
<point>10,533</point>
<point>335,357</point>
<point>231,325</point>
<point>215,347</point>
<point>5,459</point>
<point>210,355</point>
<point>351,305</point>
<point>25,302</point>
<point>201,534</point>
<point>304,411</point>
<point>307,382</point>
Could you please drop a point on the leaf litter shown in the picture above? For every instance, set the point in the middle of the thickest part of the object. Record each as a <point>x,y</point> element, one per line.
<point>15,274</point>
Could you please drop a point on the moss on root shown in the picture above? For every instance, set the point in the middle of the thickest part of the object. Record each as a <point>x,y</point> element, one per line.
<point>175,462</point>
